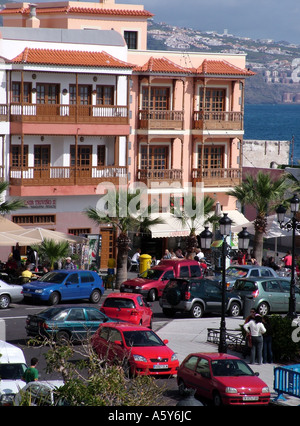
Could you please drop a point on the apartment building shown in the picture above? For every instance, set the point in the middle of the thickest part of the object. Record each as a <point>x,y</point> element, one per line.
<point>85,102</point>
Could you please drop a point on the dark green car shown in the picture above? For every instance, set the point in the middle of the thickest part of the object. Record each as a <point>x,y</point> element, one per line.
<point>66,322</point>
<point>267,294</point>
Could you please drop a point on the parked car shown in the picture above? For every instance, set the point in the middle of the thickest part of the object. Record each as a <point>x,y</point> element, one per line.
<point>223,378</point>
<point>138,348</point>
<point>9,293</point>
<point>40,393</point>
<point>75,323</point>
<point>268,294</point>
<point>244,271</point>
<point>196,297</point>
<point>152,282</point>
<point>12,369</point>
<point>61,285</point>
<point>128,307</point>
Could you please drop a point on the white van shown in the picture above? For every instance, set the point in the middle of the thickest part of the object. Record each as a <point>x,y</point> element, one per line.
<point>12,368</point>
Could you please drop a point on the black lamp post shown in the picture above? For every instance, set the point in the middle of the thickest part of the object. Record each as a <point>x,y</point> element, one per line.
<point>291,225</point>
<point>206,239</point>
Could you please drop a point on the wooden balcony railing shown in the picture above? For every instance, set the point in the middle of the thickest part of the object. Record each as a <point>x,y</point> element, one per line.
<point>57,113</point>
<point>218,120</point>
<point>40,176</point>
<point>160,119</point>
<point>217,177</point>
<point>3,112</point>
<point>160,176</point>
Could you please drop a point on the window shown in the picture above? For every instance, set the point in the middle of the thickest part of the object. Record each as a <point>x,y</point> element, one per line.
<point>87,277</point>
<point>184,271</point>
<point>94,315</point>
<point>203,366</point>
<point>84,94</point>
<point>73,279</point>
<point>79,231</point>
<point>36,219</point>
<point>191,363</point>
<point>105,95</point>
<point>131,38</point>
<point>16,92</point>
<point>195,271</point>
<point>214,99</point>
<point>212,157</point>
<point>47,93</point>
<point>158,157</point>
<point>16,156</point>
<point>76,314</point>
<point>159,98</point>
<point>101,155</point>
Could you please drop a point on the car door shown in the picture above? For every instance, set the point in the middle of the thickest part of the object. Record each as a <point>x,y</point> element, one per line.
<point>75,323</point>
<point>286,286</point>
<point>199,378</point>
<point>71,287</point>
<point>275,296</point>
<point>87,283</point>
<point>145,310</point>
<point>212,296</point>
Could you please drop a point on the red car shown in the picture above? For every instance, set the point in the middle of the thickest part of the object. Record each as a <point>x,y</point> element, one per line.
<point>223,378</point>
<point>128,307</point>
<point>138,348</point>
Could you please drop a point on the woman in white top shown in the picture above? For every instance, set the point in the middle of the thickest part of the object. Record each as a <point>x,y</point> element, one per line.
<point>256,329</point>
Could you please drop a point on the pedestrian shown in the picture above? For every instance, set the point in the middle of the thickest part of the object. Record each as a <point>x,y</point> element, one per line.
<point>17,255</point>
<point>287,260</point>
<point>272,264</point>
<point>257,329</point>
<point>136,256</point>
<point>69,264</point>
<point>267,341</point>
<point>167,254</point>
<point>31,373</point>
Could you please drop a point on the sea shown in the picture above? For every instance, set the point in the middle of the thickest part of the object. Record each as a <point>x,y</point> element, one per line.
<point>274,122</point>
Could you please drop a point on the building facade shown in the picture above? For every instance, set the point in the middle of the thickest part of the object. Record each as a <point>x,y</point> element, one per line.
<point>83,102</point>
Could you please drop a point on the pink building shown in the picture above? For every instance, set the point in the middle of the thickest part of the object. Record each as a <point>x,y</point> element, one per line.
<point>87,107</point>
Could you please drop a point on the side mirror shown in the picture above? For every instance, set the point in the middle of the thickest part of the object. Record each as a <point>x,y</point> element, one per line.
<point>118,342</point>
<point>166,341</point>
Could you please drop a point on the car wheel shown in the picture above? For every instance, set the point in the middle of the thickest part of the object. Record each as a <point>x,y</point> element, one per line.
<point>95,297</point>
<point>234,309</point>
<point>263,309</point>
<point>152,295</point>
<point>217,400</point>
<point>4,301</point>
<point>62,337</point>
<point>54,298</point>
<point>196,311</point>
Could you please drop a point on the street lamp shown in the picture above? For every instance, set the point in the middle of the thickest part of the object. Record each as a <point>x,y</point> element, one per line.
<point>206,239</point>
<point>291,225</point>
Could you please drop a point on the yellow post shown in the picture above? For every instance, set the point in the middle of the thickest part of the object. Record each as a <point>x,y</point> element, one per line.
<point>145,262</point>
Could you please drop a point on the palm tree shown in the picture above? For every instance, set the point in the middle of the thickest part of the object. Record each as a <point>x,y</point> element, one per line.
<point>52,251</point>
<point>7,207</point>
<point>194,217</point>
<point>123,220</point>
<point>263,193</point>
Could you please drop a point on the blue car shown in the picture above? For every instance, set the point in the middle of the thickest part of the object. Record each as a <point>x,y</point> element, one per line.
<point>61,285</point>
<point>66,322</point>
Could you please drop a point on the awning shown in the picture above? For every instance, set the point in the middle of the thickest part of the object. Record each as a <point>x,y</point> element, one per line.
<point>172,227</point>
<point>238,220</point>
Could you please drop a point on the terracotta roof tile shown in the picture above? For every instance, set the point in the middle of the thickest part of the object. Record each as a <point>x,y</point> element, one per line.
<point>70,58</point>
<point>85,10</point>
<point>161,65</point>
<point>221,68</point>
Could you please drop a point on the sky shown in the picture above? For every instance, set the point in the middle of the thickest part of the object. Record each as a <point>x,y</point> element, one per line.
<point>257,19</point>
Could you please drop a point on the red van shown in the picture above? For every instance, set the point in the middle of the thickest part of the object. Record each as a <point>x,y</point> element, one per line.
<point>152,282</point>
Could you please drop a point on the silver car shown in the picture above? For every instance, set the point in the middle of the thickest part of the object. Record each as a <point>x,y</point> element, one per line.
<point>10,293</point>
<point>235,272</point>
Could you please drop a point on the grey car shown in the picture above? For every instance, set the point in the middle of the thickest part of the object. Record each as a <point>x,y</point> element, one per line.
<point>244,271</point>
<point>10,293</point>
<point>267,294</point>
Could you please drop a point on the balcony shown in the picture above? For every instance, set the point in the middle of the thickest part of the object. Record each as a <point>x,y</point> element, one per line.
<point>217,177</point>
<point>58,113</point>
<point>66,176</point>
<point>217,120</point>
<point>159,177</point>
<point>160,120</point>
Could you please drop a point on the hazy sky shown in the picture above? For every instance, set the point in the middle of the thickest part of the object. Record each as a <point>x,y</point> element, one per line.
<point>279,20</point>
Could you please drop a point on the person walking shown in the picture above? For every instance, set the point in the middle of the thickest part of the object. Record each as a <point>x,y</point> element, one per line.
<point>267,341</point>
<point>257,329</point>
<point>31,373</point>
<point>69,264</point>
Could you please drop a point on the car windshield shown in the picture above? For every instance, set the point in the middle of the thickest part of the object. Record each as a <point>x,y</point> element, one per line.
<point>142,338</point>
<point>231,367</point>
<point>152,274</point>
<point>54,277</point>
<point>12,371</point>
<point>236,272</point>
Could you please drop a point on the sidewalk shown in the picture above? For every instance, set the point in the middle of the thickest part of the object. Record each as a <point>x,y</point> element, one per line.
<point>190,335</point>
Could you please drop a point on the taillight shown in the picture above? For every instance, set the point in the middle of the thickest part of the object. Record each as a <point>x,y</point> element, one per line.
<point>255,293</point>
<point>187,295</point>
<point>134,312</point>
<point>43,325</point>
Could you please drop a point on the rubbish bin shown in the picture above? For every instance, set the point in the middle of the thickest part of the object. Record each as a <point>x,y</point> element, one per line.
<point>248,305</point>
<point>145,262</point>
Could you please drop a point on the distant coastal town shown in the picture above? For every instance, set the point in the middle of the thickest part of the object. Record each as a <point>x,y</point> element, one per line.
<point>276,63</point>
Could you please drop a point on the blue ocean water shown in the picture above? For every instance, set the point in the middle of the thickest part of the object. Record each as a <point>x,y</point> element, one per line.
<point>274,122</point>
